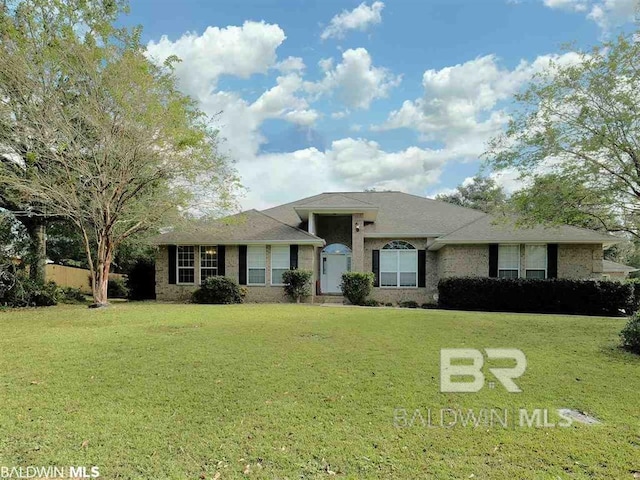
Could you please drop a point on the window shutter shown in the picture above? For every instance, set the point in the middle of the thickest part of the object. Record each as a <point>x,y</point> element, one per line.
<point>242,264</point>
<point>493,260</point>
<point>221,261</point>
<point>293,257</point>
<point>422,268</point>
<point>173,254</point>
<point>552,260</point>
<point>375,263</point>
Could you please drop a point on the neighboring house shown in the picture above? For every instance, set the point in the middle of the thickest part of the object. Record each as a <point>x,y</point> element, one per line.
<point>616,271</point>
<point>408,242</point>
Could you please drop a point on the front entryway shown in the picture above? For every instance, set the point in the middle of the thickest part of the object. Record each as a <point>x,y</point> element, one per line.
<point>335,260</point>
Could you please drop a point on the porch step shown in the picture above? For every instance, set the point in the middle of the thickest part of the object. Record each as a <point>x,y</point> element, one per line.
<point>338,299</point>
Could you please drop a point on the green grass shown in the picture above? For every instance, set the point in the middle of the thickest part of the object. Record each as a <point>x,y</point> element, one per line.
<point>155,391</point>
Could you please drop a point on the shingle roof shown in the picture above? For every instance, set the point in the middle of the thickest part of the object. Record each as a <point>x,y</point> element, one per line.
<point>611,267</point>
<point>246,227</point>
<point>335,200</point>
<point>398,213</point>
<point>494,229</point>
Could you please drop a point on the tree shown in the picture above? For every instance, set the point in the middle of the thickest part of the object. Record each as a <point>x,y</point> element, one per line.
<point>576,134</point>
<point>482,193</point>
<point>105,138</point>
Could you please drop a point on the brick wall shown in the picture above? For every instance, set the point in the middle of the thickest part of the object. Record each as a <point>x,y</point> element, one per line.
<point>395,295</point>
<point>266,294</point>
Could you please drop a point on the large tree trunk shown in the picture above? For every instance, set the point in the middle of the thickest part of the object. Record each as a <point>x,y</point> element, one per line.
<point>100,282</point>
<point>37,249</point>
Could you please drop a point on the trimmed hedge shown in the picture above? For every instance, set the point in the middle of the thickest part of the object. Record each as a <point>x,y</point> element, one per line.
<point>357,286</point>
<point>586,297</point>
<point>218,290</point>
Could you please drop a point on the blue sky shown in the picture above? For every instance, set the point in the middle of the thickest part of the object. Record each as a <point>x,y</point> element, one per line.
<point>319,96</point>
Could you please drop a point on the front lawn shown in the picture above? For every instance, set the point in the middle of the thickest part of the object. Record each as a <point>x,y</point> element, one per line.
<point>156,391</point>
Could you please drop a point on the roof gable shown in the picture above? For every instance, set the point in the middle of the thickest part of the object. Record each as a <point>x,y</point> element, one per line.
<point>250,226</point>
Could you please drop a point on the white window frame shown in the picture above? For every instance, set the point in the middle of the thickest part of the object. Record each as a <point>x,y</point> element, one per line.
<point>546,259</point>
<point>519,259</point>
<point>249,267</point>
<point>288,267</point>
<point>204,247</point>
<point>178,267</point>
<point>414,250</point>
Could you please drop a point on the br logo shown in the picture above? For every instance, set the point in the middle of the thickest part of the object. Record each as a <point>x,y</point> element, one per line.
<point>474,369</point>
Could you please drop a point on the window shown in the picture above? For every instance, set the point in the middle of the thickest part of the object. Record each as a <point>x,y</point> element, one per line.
<point>280,263</point>
<point>509,261</point>
<point>256,265</point>
<point>535,261</point>
<point>208,262</point>
<point>186,264</point>
<point>398,265</point>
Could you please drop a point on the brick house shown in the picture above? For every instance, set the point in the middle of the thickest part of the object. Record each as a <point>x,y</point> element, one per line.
<point>408,242</point>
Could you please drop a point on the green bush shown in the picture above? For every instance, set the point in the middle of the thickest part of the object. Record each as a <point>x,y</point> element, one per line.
<point>586,297</point>
<point>72,295</point>
<point>428,305</point>
<point>357,286</point>
<point>117,288</point>
<point>218,290</point>
<point>630,334</point>
<point>388,304</point>
<point>18,290</point>
<point>297,284</point>
<point>370,302</point>
<point>408,304</point>
<point>635,284</point>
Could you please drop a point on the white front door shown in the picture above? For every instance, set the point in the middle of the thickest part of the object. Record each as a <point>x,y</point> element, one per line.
<point>333,266</point>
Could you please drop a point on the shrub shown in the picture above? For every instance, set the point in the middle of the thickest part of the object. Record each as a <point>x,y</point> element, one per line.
<point>388,304</point>
<point>370,302</point>
<point>72,295</point>
<point>408,304</point>
<point>428,305</point>
<point>297,284</point>
<point>18,290</point>
<point>630,334</point>
<point>218,290</point>
<point>586,297</point>
<point>117,288</point>
<point>635,284</point>
<point>357,286</point>
<point>141,280</point>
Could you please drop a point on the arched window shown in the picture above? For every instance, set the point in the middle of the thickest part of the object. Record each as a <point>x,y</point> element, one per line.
<point>398,265</point>
<point>336,248</point>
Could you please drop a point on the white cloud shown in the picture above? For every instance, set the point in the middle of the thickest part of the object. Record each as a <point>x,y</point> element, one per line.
<point>340,114</point>
<point>571,5</point>
<point>291,64</point>
<point>238,51</point>
<point>607,14</point>
<point>356,80</point>
<point>461,100</point>
<point>360,18</point>
<point>281,101</point>
<point>349,164</point>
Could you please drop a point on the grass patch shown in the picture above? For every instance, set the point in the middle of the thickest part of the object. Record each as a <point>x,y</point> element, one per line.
<point>291,391</point>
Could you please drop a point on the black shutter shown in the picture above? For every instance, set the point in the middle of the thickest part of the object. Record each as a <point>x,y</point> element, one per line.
<point>221,260</point>
<point>552,260</point>
<point>493,260</point>
<point>293,257</point>
<point>375,263</point>
<point>242,264</point>
<point>422,268</point>
<point>173,254</point>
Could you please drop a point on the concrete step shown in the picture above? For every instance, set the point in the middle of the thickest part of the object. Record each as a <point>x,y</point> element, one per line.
<point>338,299</point>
